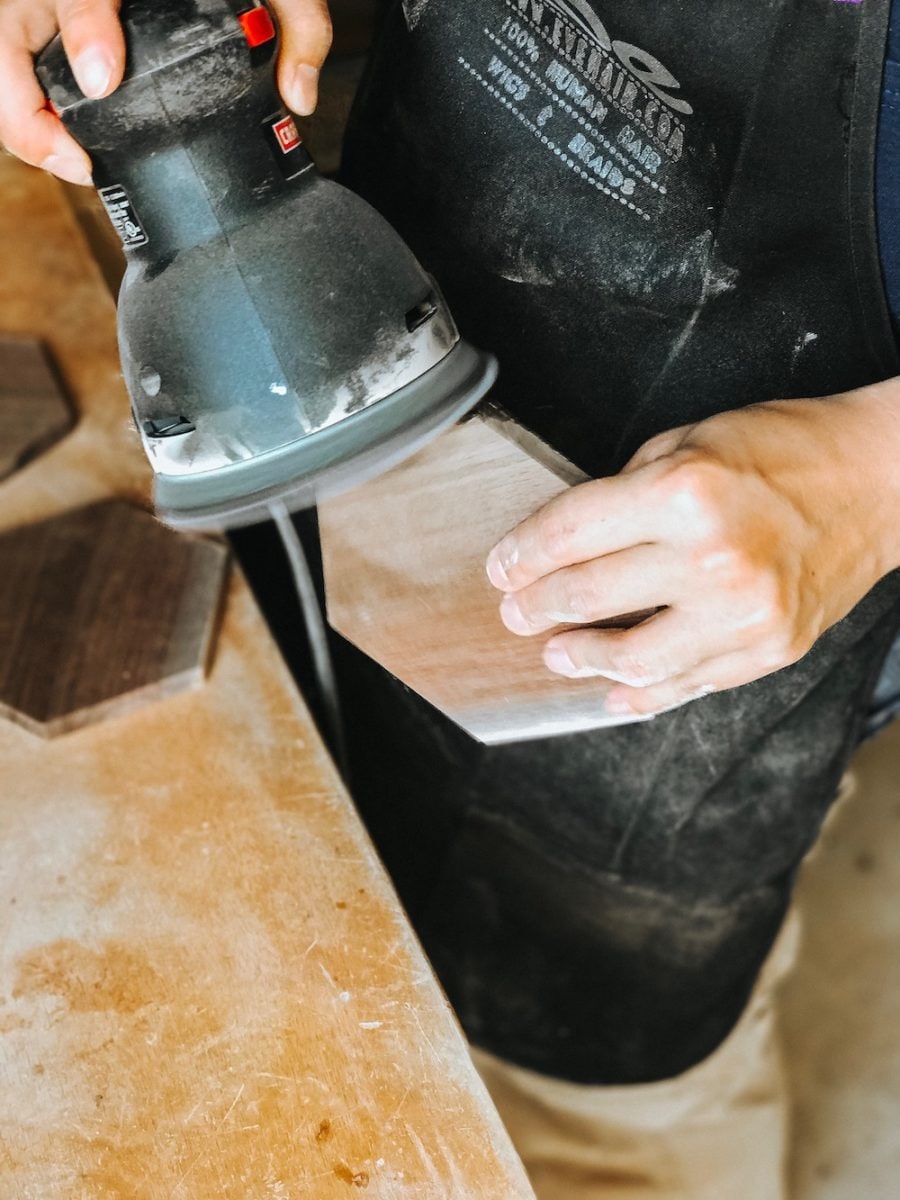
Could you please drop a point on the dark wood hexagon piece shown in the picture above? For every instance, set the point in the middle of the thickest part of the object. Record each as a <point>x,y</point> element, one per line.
<point>101,609</point>
<point>34,412</point>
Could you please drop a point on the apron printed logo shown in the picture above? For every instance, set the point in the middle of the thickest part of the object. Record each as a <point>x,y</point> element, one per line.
<point>607,111</point>
<point>583,17</point>
<point>570,22</point>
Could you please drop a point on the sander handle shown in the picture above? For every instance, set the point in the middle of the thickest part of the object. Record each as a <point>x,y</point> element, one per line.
<point>196,139</point>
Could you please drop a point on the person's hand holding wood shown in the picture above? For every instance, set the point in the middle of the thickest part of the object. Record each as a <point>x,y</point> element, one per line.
<point>752,532</point>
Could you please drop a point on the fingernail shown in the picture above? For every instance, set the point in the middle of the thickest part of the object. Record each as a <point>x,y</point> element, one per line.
<point>495,571</point>
<point>93,70</point>
<point>303,89</point>
<point>66,167</point>
<point>558,660</point>
<point>497,562</point>
<point>511,615</point>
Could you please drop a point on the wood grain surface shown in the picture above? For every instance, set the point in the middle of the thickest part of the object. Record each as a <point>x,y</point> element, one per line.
<point>33,410</point>
<point>404,578</point>
<point>207,987</point>
<point>208,990</point>
<point>102,609</point>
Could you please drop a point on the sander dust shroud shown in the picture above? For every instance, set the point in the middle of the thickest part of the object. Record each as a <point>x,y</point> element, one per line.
<point>279,341</point>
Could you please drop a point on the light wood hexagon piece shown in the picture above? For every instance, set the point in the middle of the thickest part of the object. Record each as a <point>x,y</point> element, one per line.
<point>404,562</point>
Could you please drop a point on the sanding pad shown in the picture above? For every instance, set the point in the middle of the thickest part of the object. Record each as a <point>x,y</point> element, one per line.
<point>334,459</point>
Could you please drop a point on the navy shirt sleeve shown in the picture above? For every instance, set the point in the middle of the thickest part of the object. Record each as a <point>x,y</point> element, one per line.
<point>887,168</point>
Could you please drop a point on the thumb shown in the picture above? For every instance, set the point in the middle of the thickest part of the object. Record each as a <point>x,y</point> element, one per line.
<point>94,43</point>
<point>305,41</point>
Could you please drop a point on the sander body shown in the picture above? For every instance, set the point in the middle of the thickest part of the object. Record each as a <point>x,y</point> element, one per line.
<point>279,341</point>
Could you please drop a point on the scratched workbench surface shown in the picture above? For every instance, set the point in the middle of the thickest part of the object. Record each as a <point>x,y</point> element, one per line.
<point>207,987</point>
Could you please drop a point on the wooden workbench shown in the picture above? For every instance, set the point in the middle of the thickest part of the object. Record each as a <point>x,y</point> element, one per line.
<point>207,986</point>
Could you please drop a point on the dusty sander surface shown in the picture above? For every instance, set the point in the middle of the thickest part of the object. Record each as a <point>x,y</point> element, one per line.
<point>333,460</point>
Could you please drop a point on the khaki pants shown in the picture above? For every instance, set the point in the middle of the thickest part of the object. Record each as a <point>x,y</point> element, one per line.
<point>717,1132</point>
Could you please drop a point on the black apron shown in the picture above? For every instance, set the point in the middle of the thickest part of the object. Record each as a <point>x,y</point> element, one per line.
<point>651,212</point>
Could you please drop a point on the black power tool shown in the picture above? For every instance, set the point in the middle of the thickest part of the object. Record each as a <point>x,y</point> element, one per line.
<point>278,339</point>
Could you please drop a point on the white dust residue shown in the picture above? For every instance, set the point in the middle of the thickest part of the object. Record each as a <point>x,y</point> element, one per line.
<point>413,11</point>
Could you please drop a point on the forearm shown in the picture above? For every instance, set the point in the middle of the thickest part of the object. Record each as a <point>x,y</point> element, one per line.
<point>867,424</point>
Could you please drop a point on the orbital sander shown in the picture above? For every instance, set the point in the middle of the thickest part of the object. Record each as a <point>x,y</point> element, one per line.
<point>279,341</point>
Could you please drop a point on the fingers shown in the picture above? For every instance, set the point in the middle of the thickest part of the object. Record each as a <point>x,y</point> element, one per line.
<point>662,647</point>
<point>305,42</point>
<point>27,128</point>
<point>714,675</point>
<point>670,658</point>
<point>585,522</point>
<point>627,582</point>
<point>94,44</point>
<point>648,684</point>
